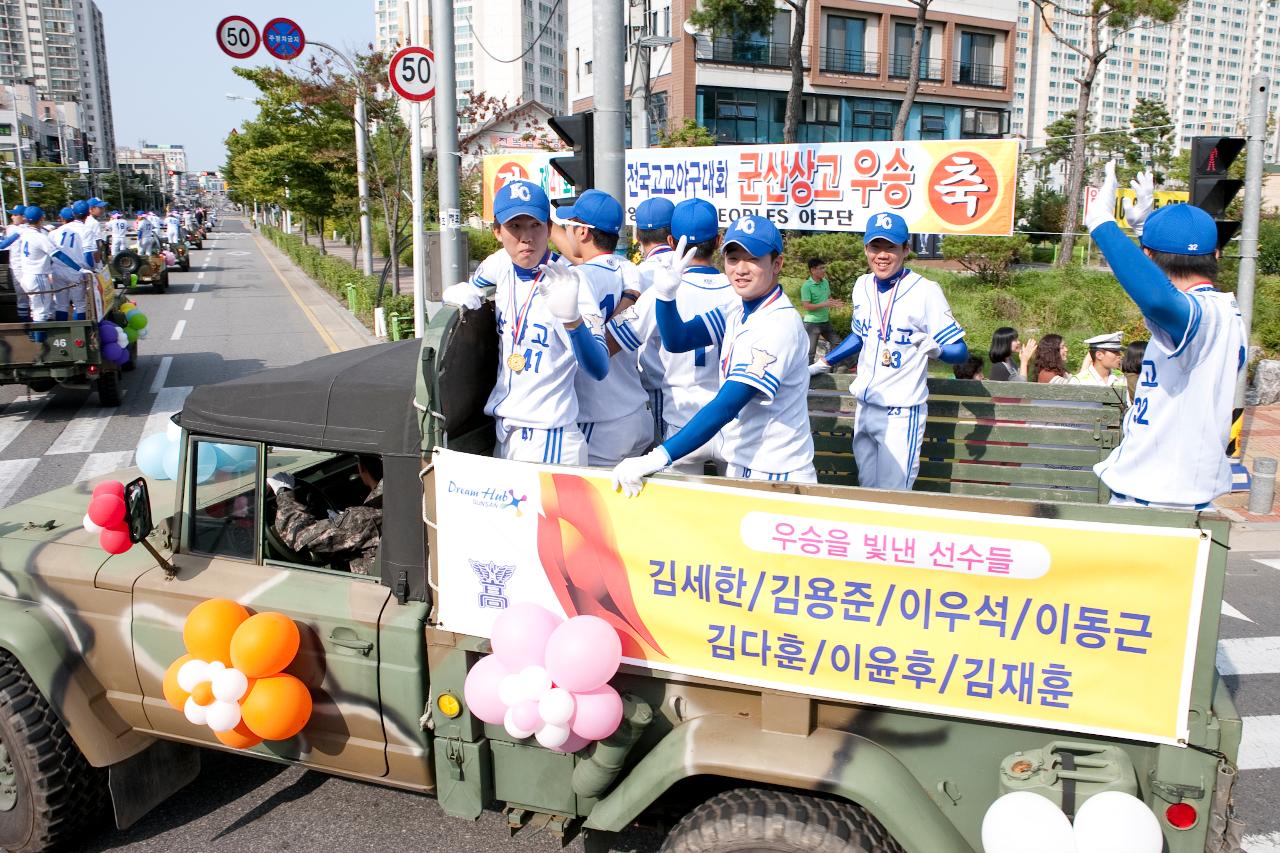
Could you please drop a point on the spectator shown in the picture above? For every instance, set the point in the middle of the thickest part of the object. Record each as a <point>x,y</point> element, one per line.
<point>815,299</point>
<point>1131,365</point>
<point>1051,362</point>
<point>1004,344</point>
<point>970,368</point>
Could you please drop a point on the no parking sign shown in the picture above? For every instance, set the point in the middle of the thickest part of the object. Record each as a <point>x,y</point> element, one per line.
<point>283,38</point>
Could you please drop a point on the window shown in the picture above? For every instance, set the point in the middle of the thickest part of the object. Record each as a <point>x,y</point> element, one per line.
<point>903,37</point>
<point>977,60</point>
<point>223,499</point>
<point>843,50</point>
<point>817,109</point>
<point>326,485</point>
<point>977,122</point>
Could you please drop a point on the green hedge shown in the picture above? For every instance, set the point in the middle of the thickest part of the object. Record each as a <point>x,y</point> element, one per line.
<point>333,274</point>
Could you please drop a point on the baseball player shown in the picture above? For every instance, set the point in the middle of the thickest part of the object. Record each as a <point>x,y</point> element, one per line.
<point>900,320</point>
<point>686,381</point>
<point>1102,368</point>
<point>92,227</point>
<point>14,229</point>
<point>147,243</point>
<point>544,341</point>
<point>172,224</point>
<point>653,233</point>
<point>69,292</point>
<point>118,231</point>
<point>1172,453</point>
<point>761,409</point>
<point>38,253</point>
<point>613,413</point>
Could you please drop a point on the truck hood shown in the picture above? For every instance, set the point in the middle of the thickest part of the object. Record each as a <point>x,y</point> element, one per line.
<point>58,516</point>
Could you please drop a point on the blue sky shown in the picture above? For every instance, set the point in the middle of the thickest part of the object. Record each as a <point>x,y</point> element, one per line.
<point>169,79</point>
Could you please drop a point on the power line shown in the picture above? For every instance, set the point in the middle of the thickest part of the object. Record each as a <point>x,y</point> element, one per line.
<point>528,50</point>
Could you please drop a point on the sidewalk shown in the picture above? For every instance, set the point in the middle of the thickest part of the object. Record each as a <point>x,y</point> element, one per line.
<point>343,253</point>
<point>1261,437</point>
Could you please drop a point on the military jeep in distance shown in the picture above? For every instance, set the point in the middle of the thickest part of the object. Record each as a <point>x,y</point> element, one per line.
<point>85,640</point>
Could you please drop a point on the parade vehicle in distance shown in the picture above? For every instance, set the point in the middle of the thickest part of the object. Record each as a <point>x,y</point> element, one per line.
<point>719,743</point>
<point>131,268</point>
<point>181,255</point>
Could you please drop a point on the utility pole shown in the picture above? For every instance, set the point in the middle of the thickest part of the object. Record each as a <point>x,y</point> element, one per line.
<point>415,168</point>
<point>453,267</point>
<point>1255,146</point>
<point>609,52</point>
<point>640,84</point>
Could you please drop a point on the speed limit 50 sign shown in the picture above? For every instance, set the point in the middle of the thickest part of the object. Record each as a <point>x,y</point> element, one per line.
<point>413,73</point>
<point>238,37</point>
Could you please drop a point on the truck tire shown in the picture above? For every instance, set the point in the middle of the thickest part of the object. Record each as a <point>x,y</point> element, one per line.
<point>161,284</point>
<point>48,792</point>
<point>185,263</point>
<point>126,263</point>
<point>108,386</point>
<point>753,819</point>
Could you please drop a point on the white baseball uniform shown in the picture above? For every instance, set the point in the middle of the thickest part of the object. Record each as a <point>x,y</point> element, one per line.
<point>1173,447</point>
<point>146,235</point>
<point>891,385</point>
<point>613,413</point>
<point>118,231</point>
<point>37,261</point>
<point>171,225</point>
<point>68,292</point>
<point>687,381</point>
<point>648,354</point>
<point>15,271</point>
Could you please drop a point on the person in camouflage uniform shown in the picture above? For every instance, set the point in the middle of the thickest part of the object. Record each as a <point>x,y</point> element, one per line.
<point>350,537</point>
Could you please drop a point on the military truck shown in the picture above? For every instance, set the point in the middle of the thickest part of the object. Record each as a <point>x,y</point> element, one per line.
<point>131,268</point>
<point>724,761</point>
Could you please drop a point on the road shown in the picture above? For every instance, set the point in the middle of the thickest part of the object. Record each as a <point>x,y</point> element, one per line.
<point>234,314</point>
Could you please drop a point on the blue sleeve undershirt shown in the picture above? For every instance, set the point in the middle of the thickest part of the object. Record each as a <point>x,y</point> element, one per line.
<point>592,355</point>
<point>66,259</point>
<point>4,244</point>
<point>1161,303</point>
<point>710,419</point>
<point>849,346</point>
<point>956,353</point>
<point>679,335</point>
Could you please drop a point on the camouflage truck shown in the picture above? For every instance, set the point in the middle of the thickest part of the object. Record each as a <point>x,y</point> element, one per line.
<point>720,763</point>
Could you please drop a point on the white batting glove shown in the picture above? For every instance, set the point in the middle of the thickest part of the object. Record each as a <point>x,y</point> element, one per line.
<point>280,480</point>
<point>559,287</point>
<point>671,269</point>
<point>819,366</point>
<point>1137,210</point>
<point>924,342</point>
<point>1102,209</point>
<point>463,294</point>
<point>629,474</point>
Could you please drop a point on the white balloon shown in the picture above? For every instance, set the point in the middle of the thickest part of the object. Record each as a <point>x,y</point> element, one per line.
<point>509,724</point>
<point>510,690</point>
<point>223,716</point>
<point>172,431</point>
<point>192,673</point>
<point>553,736</point>
<point>215,666</point>
<point>122,340</point>
<point>89,525</point>
<point>1019,817</point>
<point>556,706</point>
<point>534,682</point>
<point>1116,822</point>
<point>197,715</point>
<point>229,685</point>
<point>142,333</point>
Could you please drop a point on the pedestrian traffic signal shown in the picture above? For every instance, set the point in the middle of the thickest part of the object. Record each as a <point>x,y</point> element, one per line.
<point>578,168</point>
<point>1211,188</point>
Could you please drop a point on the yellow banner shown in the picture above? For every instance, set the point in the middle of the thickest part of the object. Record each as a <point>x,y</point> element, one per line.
<point>531,166</point>
<point>1036,622</point>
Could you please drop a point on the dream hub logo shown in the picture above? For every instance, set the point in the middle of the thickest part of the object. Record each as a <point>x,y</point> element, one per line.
<point>490,497</point>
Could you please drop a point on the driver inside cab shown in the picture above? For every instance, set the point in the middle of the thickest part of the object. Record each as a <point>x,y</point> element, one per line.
<point>347,539</point>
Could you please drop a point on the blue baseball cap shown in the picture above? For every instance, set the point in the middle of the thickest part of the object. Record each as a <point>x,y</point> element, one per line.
<point>886,226</point>
<point>654,213</point>
<point>756,234</point>
<point>695,219</point>
<point>80,208</point>
<point>96,202</point>
<point>142,213</point>
<point>67,214</point>
<point>520,198</point>
<point>18,210</point>
<point>33,213</point>
<point>1180,229</point>
<point>595,208</point>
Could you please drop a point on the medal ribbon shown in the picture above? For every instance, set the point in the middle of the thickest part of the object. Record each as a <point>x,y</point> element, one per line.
<point>886,316</point>
<point>518,325</point>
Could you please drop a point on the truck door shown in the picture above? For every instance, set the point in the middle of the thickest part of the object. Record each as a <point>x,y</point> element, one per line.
<point>225,552</point>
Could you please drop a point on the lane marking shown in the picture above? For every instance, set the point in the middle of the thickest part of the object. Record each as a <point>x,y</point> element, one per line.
<point>15,417</point>
<point>168,401</point>
<point>306,311</point>
<point>1269,843</point>
<point>82,433</point>
<point>1275,564</point>
<point>98,464</point>
<point>196,288</point>
<point>162,374</point>
<point>1228,610</point>
<point>200,277</point>
<point>1249,655</point>
<point>12,474</point>
<point>190,304</point>
<point>177,330</point>
<point>1260,745</point>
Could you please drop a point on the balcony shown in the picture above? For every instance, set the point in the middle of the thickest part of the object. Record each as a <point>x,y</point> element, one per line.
<point>731,51</point>
<point>838,61</point>
<point>974,74</point>
<point>900,68</point>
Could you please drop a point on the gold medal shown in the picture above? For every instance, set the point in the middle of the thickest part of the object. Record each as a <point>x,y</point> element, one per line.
<point>885,358</point>
<point>515,361</point>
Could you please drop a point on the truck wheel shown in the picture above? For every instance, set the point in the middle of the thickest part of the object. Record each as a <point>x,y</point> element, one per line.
<point>185,264</point>
<point>108,388</point>
<point>48,792</point>
<point>751,819</point>
<point>162,283</point>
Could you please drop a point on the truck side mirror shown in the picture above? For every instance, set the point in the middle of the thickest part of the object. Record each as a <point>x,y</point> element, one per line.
<point>137,506</point>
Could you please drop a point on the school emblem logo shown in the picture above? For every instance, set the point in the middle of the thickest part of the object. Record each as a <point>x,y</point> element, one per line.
<point>760,361</point>
<point>519,190</point>
<point>747,226</point>
<point>884,221</point>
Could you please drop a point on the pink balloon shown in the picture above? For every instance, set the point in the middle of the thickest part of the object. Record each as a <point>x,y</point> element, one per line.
<point>481,689</point>
<point>520,635</point>
<point>526,716</point>
<point>106,510</point>
<point>583,654</point>
<point>115,540</point>
<point>599,713</point>
<point>573,744</point>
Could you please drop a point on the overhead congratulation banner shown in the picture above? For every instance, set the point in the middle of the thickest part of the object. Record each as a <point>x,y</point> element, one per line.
<point>1028,621</point>
<point>959,186</point>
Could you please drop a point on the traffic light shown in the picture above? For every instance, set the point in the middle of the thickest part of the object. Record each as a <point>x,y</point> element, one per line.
<point>1211,189</point>
<point>578,168</point>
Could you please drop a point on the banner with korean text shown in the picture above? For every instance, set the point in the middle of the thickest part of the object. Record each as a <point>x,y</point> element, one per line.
<point>959,186</point>
<point>1029,621</point>
<point>533,166</point>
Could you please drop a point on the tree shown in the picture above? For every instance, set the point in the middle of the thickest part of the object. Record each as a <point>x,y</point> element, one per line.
<point>689,135</point>
<point>913,72</point>
<point>740,18</point>
<point>1105,22</point>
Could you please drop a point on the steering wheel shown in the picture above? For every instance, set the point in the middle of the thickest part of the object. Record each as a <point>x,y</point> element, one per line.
<point>309,496</point>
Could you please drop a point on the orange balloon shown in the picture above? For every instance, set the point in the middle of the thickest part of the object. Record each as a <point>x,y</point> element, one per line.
<point>239,738</point>
<point>173,694</point>
<point>209,627</point>
<point>203,694</point>
<point>276,707</point>
<point>264,644</point>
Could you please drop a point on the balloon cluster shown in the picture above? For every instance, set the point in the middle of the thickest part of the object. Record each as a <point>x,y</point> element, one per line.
<point>232,678</point>
<point>169,258</point>
<point>548,678</point>
<point>106,517</point>
<point>115,342</point>
<point>157,456</point>
<point>1108,822</point>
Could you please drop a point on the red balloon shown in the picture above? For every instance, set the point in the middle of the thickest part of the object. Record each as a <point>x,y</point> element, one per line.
<point>109,487</point>
<point>115,540</point>
<point>106,510</point>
